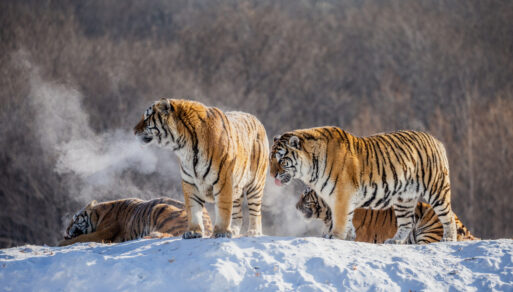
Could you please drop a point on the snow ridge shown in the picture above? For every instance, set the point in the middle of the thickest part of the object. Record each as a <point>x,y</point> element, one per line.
<point>264,263</point>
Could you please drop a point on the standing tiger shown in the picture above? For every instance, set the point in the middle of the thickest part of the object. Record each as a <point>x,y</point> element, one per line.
<point>128,219</point>
<point>378,225</point>
<point>222,157</point>
<point>377,172</point>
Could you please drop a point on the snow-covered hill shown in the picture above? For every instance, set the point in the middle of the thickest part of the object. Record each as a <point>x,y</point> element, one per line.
<point>265,263</point>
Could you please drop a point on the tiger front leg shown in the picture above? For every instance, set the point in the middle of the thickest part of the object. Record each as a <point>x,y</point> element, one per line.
<point>194,207</point>
<point>326,230</point>
<point>255,211</point>
<point>237,213</point>
<point>106,234</point>
<point>343,216</point>
<point>224,206</point>
<point>404,214</point>
<point>350,231</point>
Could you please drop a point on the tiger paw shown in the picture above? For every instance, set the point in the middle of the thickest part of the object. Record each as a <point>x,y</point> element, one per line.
<point>350,235</point>
<point>192,234</point>
<point>227,234</point>
<point>254,233</point>
<point>330,236</point>
<point>220,232</point>
<point>235,231</point>
<point>65,242</point>
<point>393,241</point>
<point>447,239</point>
<point>157,234</point>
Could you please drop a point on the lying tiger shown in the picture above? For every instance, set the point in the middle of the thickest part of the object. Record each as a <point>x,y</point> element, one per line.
<point>378,225</point>
<point>128,219</point>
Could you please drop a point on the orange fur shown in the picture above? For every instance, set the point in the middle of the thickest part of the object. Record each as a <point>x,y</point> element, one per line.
<point>222,157</point>
<point>376,172</point>
<point>128,219</point>
<point>378,225</point>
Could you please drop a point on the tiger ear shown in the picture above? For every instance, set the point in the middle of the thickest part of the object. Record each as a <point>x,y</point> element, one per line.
<point>92,204</point>
<point>295,142</point>
<point>276,138</point>
<point>164,106</point>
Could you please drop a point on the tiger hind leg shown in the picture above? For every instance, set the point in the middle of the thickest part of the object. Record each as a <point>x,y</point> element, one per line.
<point>404,214</point>
<point>255,211</point>
<point>223,196</point>
<point>441,203</point>
<point>194,207</point>
<point>427,228</point>
<point>446,217</point>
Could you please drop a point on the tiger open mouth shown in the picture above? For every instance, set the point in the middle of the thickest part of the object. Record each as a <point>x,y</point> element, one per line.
<point>282,179</point>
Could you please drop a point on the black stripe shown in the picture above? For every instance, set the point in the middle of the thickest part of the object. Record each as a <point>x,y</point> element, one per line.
<point>208,168</point>
<point>220,169</point>
<point>185,172</point>
<point>194,138</point>
<point>171,217</point>
<point>315,172</point>
<point>197,200</point>
<point>369,201</point>
<point>334,185</point>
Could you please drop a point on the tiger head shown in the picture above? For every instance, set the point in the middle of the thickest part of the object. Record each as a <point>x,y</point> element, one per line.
<point>312,206</point>
<point>154,124</point>
<point>307,203</point>
<point>83,222</point>
<point>170,122</point>
<point>288,159</point>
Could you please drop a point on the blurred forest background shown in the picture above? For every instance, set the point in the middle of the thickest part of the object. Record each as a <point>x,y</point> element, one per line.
<point>79,74</point>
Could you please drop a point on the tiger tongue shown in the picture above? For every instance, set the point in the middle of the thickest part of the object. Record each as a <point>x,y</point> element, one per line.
<point>277,182</point>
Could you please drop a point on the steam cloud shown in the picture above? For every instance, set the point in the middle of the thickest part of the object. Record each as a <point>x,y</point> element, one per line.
<point>280,202</point>
<point>96,164</point>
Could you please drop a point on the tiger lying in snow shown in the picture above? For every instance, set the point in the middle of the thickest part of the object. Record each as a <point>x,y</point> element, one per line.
<point>378,225</point>
<point>128,219</point>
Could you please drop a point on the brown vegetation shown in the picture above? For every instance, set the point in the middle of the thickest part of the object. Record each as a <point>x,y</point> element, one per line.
<point>366,66</point>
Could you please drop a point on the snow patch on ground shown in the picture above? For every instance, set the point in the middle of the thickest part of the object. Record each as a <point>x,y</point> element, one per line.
<point>264,263</point>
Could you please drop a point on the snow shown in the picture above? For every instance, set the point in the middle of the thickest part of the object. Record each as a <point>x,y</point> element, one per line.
<point>263,263</point>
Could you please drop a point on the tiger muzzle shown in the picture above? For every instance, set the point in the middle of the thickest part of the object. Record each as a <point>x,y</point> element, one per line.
<point>307,212</point>
<point>282,179</point>
<point>73,232</point>
<point>146,139</point>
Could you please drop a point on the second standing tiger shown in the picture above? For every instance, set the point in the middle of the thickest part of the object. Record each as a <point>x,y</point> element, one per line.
<point>376,172</point>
